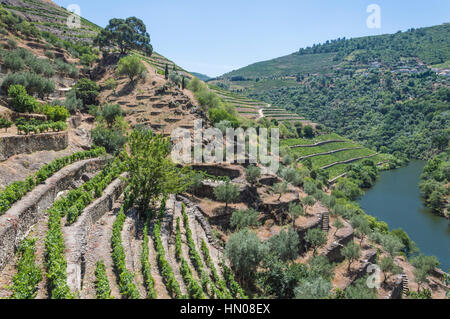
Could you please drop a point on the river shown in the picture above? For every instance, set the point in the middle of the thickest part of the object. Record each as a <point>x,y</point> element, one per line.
<point>396,199</point>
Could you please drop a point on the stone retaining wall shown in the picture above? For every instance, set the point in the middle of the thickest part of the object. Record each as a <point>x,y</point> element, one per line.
<point>15,224</point>
<point>76,236</point>
<point>26,144</point>
<point>345,235</point>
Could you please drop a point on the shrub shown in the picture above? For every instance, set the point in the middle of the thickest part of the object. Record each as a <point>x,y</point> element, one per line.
<point>130,66</point>
<point>227,193</point>
<point>245,252</point>
<point>252,174</point>
<point>72,103</point>
<point>4,123</point>
<point>87,91</point>
<point>111,140</point>
<point>20,101</point>
<point>244,218</point>
<point>110,112</point>
<point>54,113</point>
<point>13,62</point>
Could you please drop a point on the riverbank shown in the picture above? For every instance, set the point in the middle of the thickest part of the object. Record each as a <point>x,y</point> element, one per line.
<point>396,200</point>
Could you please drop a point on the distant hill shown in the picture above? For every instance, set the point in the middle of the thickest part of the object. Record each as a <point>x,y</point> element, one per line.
<point>201,76</point>
<point>431,45</point>
<point>50,17</point>
<point>389,92</point>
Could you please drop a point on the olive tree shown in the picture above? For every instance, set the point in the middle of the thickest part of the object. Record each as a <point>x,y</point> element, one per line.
<point>227,193</point>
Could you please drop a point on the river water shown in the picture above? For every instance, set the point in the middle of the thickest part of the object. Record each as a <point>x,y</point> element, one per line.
<point>396,199</point>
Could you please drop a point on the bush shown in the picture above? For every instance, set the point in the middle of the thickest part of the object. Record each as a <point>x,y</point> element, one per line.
<point>111,140</point>
<point>13,62</point>
<point>110,112</point>
<point>131,66</point>
<point>54,113</point>
<point>4,123</point>
<point>244,218</point>
<point>20,101</point>
<point>72,103</point>
<point>87,91</point>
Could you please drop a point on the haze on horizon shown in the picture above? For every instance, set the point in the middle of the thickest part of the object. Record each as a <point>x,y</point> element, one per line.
<point>214,38</point>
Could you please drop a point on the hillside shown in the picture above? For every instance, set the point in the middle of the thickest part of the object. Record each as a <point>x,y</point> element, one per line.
<point>92,205</point>
<point>389,92</point>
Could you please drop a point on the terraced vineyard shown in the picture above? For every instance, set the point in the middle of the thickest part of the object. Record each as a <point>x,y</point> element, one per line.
<point>332,153</point>
<point>52,18</point>
<point>68,249</point>
<point>244,106</point>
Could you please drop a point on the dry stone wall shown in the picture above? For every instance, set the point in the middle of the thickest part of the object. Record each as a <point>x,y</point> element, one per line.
<point>26,144</point>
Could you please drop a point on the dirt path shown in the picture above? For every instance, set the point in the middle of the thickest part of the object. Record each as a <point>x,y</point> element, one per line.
<point>132,242</point>
<point>160,287</point>
<point>98,249</point>
<point>169,242</point>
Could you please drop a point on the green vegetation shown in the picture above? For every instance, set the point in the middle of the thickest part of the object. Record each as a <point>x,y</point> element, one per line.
<point>152,172</point>
<point>172,285</point>
<point>126,34</point>
<point>16,190</point>
<point>226,192</point>
<point>244,218</point>
<point>126,283</point>
<point>131,66</point>
<point>149,282</point>
<point>102,288</point>
<point>434,182</point>
<point>28,274</point>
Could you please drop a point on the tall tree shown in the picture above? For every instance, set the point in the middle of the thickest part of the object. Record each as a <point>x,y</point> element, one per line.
<point>151,172</point>
<point>126,34</point>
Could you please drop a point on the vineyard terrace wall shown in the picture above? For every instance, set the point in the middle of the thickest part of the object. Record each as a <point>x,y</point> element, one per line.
<point>26,144</point>
<point>16,223</point>
<point>77,234</point>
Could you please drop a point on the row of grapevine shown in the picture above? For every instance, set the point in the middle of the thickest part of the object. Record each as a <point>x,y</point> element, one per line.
<point>194,289</point>
<point>127,286</point>
<point>15,191</point>
<point>197,261</point>
<point>76,199</point>
<point>102,288</point>
<point>172,285</point>
<point>233,286</point>
<point>28,275</point>
<point>83,196</point>
<point>214,275</point>
<point>149,282</point>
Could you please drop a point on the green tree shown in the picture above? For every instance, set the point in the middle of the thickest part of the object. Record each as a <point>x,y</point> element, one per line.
<point>127,34</point>
<point>308,131</point>
<point>131,66</point>
<point>252,174</point>
<point>424,266</point>
<point>313,288</point>
<point>295,210</point>
<point>110,112</point>
<point>87,91</point>
<point>245,252</point>
<point>244,218</point>
<point>166,72</point>
<point>361,225</point>
<point>308,201</point>
<point>392,245</point>
<point>316,238</point>
<point>151,172</point>
<point>351,252</point>
<point>285,245</point>
<point>227,193</point>
<point>281,189</point>
<point>389,268</point>
<point>338,224</point>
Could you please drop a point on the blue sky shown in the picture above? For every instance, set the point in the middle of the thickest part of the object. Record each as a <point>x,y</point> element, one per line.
<point>215,37</point>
